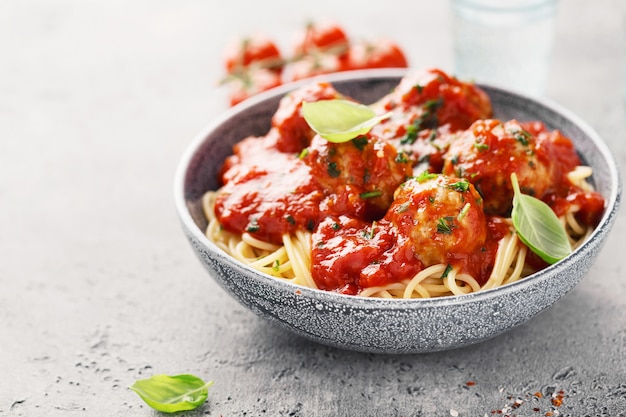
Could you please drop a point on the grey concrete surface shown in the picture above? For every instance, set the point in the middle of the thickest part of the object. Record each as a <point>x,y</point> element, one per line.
<point>98,287</point>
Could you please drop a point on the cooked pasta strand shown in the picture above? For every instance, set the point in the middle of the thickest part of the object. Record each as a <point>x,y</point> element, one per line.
<point>291,261</point>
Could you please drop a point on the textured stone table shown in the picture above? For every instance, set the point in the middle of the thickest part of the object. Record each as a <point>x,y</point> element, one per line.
<point>98,287</point>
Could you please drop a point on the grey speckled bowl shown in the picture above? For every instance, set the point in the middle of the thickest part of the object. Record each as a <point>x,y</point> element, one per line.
<point>380,325</point>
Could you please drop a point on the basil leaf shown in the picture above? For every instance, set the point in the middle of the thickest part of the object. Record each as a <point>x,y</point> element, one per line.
<point>538,226</point>
<point>170,394</point>
<point>340,120</point>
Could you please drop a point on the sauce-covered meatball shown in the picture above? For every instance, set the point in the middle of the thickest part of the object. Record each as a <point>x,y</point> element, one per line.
<point>268,201</point>
<point>359,176</point>
<point>444,99</point>
<point>442,216</point>
<point>489,152</point>
<point>350,254</point>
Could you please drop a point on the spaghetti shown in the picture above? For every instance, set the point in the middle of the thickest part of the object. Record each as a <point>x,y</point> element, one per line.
<point>291,261</point>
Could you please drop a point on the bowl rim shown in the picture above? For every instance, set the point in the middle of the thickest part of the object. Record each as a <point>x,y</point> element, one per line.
<point>612,201</point>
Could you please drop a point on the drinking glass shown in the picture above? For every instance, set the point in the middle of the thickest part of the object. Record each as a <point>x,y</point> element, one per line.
<point>504,42</point>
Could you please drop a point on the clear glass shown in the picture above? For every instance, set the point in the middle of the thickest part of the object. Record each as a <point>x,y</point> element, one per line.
<point>504,42</point>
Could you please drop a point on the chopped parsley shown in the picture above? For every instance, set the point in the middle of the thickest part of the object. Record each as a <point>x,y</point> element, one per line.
<point>410,136</point>
<point>481,146</point>
<point>360,142</point>
<point>401,158</point>
<point>521,136</point>
<point>253,226</point>
<point>463,212</point>
<point>425,176</point>
<point>433,104</point>
<point>446,271</point>
<point>522,139</point>
<point>460,186</point>
<point>371,194</point>
<point>333,171</point>
<point>445,225</point>
<point>370,234</point>
<point>427,120</point>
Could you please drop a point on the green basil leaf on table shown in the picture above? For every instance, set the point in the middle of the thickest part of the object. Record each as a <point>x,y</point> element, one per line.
<point>340,120</point>
<point>170,394</point>
<point>538,226</point>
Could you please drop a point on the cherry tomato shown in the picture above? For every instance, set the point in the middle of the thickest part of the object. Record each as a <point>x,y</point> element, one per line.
<point>251,82</point>
<point>322,36</point>
<point>255,64</point>
<point>258,50</point>
<point>312,65</point>
<point>380,54</point>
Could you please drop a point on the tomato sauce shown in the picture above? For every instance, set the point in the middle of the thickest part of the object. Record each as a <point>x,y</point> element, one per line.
<point>429,185</point>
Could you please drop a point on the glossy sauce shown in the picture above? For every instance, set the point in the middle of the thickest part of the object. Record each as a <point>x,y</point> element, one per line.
<point>429,185</point>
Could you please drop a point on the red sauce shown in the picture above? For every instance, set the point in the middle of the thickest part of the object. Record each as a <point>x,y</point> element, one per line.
<point>349,254</point>
<point>372,221</point>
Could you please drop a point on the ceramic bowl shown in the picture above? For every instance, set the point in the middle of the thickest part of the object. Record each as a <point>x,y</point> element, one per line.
<point>383,325</point>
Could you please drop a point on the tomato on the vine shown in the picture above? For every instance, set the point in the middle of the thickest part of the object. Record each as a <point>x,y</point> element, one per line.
<point>312,65</point>
<point>255,64</point>
<point>322,37</point>
<point>256,50</point>
<point>251,82</point>
<point>380,54</point>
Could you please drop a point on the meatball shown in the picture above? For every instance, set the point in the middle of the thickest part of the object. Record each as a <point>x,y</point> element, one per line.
<point>442,216</point>
<point>359,176</point>
<point>443,100</point>
<point>269,202</point>
<point>489,152</point>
